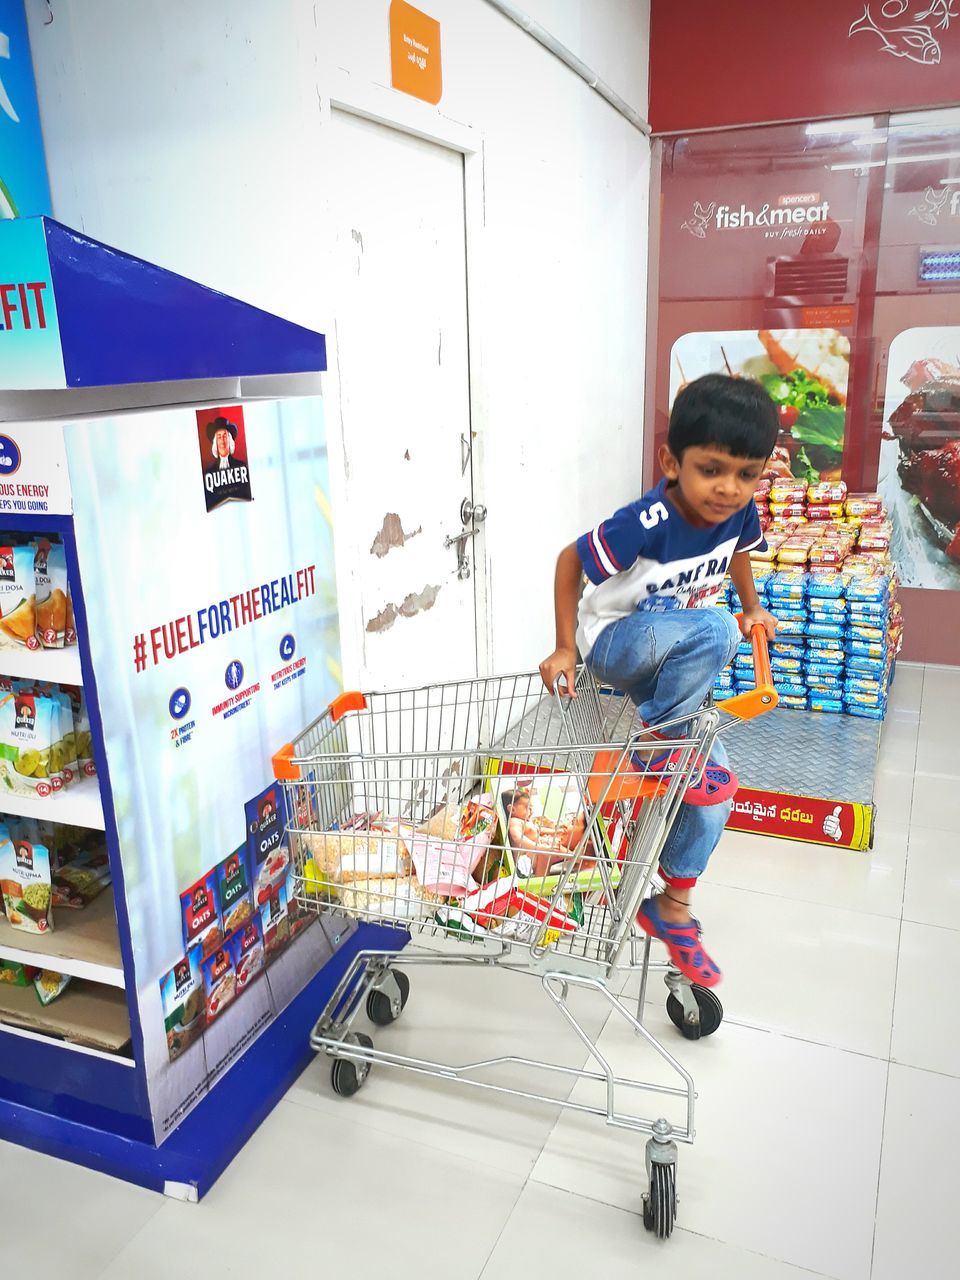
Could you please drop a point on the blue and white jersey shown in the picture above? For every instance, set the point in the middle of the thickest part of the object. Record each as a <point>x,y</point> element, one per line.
<point>649,556</point>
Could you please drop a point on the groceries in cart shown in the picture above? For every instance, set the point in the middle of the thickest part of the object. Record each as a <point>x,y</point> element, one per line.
<point>489,862</point>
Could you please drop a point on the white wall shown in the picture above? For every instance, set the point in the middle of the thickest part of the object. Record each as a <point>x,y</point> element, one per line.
<point>186,133</point>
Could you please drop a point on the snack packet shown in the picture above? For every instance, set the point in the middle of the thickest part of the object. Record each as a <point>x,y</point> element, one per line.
<point>18,599</point>
<point>28,726</point>
<point>826,704</point>
<point>50,576</point>
<point>827,491</point>
<point>49,985</point>
<point>25,883</point>
<point>14,974</point>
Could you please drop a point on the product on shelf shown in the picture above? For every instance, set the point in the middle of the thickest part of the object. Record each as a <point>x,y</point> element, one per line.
<point>18,599</point>
<point>831,587</point>
<point>49,985</point>
<point>15,974</point>
<point>50,573</point>
<point>25,883</point>
<point>29,728</point>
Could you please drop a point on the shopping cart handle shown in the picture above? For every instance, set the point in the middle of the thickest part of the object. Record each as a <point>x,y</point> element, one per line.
<point>755,702</point>
<point>284,770</point>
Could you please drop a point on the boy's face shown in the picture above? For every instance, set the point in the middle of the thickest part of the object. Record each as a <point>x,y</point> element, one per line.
<point>711,484</point>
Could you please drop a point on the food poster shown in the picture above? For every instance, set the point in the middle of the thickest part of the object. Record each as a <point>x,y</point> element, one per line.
<point>806,372</point>
<point>214,638</point>
<point>920,456</point>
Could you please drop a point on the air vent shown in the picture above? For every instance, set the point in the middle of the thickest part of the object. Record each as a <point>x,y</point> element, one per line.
<point>810,277</point>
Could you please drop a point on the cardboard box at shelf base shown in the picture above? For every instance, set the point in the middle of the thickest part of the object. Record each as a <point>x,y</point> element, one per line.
<point>87,1014</point>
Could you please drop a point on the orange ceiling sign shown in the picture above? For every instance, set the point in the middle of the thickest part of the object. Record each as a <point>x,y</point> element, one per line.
<point>415,52</point>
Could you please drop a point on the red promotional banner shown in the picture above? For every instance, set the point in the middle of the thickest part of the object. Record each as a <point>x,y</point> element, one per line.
<point>747,62</point>
<point>808,818</point>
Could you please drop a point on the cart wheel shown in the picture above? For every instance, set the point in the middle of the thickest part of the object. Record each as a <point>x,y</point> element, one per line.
<point>660,1203</point>
<point>711,1013</point>
<point>349,1077</point>
<point>380,1008</point>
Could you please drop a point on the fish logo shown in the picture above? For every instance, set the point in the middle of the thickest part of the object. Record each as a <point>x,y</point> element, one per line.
<point>699,220</point>
<point>915,39</point>
<point>929,209</point>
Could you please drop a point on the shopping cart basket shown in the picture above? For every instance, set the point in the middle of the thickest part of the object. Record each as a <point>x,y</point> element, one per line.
<point>497,824</point>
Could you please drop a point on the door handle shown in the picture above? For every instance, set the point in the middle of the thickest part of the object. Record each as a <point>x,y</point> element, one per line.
<point>472,514</point>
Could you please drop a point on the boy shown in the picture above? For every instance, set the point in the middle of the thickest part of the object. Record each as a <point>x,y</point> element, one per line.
<point>642,628</point>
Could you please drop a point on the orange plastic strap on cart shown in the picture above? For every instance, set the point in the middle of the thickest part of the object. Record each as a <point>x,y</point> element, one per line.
<point>625,782</point>
<point>755,702</point>
<point>284,770</point>
<point>347,702</point>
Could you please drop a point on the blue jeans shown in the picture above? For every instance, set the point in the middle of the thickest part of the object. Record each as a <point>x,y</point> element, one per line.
<point>667,663</point>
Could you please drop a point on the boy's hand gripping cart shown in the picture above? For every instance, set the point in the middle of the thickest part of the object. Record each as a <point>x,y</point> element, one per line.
<point>398,806</point>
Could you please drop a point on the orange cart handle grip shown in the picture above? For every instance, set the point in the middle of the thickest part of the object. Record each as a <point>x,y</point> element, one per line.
<point>284,770</point>
<point>757,701</point>
<point>351,701</point>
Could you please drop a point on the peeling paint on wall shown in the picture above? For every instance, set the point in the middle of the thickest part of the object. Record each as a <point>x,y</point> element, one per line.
<point>391,535</point>
<point>416,602</point>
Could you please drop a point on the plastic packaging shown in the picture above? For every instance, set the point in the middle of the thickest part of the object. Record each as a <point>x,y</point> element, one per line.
<point>832,705</point>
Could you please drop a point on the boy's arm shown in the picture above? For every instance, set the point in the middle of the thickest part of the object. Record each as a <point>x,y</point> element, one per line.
<point>566,594</point>
<point>741,571</point>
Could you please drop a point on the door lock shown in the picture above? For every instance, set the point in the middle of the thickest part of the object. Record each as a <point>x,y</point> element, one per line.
<point>472,514</point>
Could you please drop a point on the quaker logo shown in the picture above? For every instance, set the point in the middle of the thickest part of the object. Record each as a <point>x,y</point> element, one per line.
<point>40,559</point>
<point>25,711</point>
<point>223,456</point>
<point>934,203</point>
<point>201,907</point>
<point>249,938</point>
<point>234,877</point>
<point>220,964</point>
<point>24,854</point>
<point>182,975</point>
<point>799,209</point>
<point>906,32</point>
<point>7,571</point>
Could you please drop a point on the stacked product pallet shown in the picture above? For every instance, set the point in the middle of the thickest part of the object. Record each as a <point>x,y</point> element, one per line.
<point>827,577</point>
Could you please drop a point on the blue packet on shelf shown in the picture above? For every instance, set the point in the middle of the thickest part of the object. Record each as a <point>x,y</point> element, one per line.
<point>794,703</point>
<point>867,713</point>
<point>825,631</point>
<point>826,585</point>
<point>826,704</point>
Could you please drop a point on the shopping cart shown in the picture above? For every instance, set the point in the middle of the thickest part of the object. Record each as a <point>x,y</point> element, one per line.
<point>496,824</point>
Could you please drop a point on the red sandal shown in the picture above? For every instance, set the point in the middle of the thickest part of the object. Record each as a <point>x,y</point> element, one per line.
<point>682,942</point>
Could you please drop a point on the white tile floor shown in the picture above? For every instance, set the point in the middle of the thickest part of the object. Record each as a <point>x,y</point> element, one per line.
<point>828,1118</point>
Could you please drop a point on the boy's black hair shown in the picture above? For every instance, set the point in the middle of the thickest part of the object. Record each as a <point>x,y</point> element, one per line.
<point>735,414</point>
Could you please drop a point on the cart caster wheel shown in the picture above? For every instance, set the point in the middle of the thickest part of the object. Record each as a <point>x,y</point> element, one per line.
<point>711,1014</point>
<point>349,1077</point>
<point>381,1009</point>
<point>660,1203</point>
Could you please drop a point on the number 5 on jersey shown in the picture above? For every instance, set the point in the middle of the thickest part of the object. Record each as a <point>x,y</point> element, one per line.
<point>652,517</point>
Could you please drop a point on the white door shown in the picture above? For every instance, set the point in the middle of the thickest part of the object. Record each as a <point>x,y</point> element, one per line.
<point>399,354</point>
